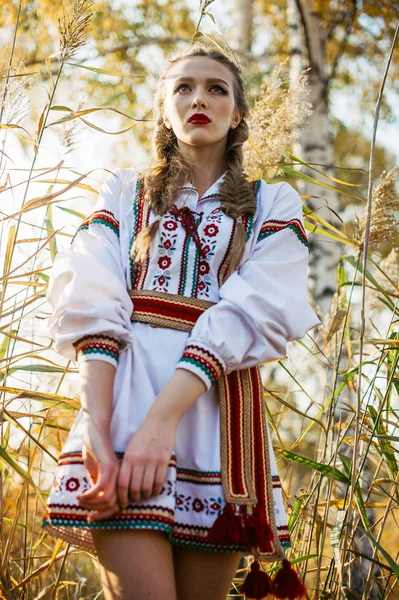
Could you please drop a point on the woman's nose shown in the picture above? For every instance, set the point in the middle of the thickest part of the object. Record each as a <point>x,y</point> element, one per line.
<point>198,101</point>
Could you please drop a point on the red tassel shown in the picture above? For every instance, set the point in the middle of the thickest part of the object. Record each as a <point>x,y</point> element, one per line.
<point>257,584</point>
<point>287,583</point>
<point>228,528</point>
<point>258,530</point>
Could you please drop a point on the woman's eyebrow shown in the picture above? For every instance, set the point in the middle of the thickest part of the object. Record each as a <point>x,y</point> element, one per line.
<point>208,80</point>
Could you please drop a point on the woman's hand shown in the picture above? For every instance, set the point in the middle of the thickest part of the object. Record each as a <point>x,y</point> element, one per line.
<point>143,469</point>
<point>102,466</point>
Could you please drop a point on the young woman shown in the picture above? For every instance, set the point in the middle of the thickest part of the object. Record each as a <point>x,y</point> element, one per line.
<point>174,289</point>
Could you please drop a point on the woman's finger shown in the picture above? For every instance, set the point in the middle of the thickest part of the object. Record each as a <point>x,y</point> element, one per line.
<point>103,514</point>
<point>159,479</point>
<point>123,482</point>
<point>105,483</point>
<point>147,486</point>
<point>101,501</point>
<point>136,483</point>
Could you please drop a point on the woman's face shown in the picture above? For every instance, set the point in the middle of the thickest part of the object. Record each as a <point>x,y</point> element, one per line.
<point>200,85</point>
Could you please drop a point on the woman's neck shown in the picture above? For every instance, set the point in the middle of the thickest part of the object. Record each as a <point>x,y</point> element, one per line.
<point>209,164</point>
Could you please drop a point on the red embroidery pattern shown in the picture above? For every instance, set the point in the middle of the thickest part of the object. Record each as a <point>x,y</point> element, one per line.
<point>142,214</point>
<point>103,217</point>
<point>167,310</point>
<point>199,477</point>
<point>97,344</point>
<point>273,226</point>
<point>203,360</point>
<point>208,242</point>
<point>166,247</point>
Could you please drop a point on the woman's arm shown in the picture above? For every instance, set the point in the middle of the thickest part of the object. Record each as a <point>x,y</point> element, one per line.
<point>96,393</point>
<point>146,459</point>
<point>179,394</point>
<point>145,463</point>
<point>97,385</point>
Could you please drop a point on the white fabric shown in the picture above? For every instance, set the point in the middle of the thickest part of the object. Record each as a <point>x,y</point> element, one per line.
<point>260,308</point>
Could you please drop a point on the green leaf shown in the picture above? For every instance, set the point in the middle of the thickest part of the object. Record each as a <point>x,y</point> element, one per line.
<point>357,265</point>
<point>371,559</point>
<point>325,469</point>
<point>293,561</point>
<point>349,375</point>
<point>11,521</point>
<point>75,213</point>
<point>296,511</point>
<point>62,108</point>
<point>392,564</point>
<point>6,458</point>
<point>298,175</point>
<point>42,369</point>
<point>386,450</point>
<point>105,72</point>
<point>347,464</point>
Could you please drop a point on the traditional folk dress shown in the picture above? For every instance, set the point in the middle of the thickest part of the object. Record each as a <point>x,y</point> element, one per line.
<point>178,310</point>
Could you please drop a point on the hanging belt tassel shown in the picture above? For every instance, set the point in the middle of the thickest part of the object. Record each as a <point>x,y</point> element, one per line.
<point>258,530</point>
<point>287,583</point>
<point>228,528</point>
<point>257,584</point>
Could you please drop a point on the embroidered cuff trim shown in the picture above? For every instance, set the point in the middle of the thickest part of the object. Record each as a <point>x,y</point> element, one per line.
<point>97,347</point>
<point>202,362</point>
<point>270,227</point>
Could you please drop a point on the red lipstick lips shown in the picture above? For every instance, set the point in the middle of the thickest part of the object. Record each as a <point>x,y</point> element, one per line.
<point>199,119</point>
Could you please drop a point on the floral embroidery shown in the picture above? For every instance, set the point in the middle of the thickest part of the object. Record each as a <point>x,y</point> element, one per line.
<point>72,484</point>
<point>213,506</point>
<point>203,267</point>
<point>166,247</point>
<point>170,225</point>
<point>198,505</point>
<point>208,243</point>
<point>169,487</point>
<point>164,262</point>
<point>211,230</point>
<point>161,280</point>
<point>183,502</point>
<point>216,215</point>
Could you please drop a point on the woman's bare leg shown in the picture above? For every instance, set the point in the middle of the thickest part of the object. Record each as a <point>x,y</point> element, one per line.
<point>204,575</point>
<point>135,564</point>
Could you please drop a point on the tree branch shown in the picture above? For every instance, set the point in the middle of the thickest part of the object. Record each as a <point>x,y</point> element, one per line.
<point>349,21</point>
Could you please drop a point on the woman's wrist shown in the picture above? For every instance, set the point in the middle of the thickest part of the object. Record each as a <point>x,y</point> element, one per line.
<point>96,394</point>
<point>176,398</point>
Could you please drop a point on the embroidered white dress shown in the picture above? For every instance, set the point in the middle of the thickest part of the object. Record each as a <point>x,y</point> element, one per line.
<point>257,310</point>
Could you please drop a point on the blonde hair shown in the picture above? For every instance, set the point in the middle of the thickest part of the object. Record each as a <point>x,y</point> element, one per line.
<point>169,169</point>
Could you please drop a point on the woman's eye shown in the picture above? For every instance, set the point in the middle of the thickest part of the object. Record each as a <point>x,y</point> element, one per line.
<point>220,88</point>
<point>184,85</point>
<point>180,86</point>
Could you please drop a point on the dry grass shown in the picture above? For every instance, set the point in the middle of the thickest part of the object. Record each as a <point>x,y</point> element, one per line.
<point>314,442</point>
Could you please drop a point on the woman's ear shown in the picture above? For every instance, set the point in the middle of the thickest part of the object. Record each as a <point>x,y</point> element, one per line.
<point>236,118</point>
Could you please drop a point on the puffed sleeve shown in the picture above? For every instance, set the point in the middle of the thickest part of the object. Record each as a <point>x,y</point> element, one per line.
<point>91,307</point>
<point>263,305</point>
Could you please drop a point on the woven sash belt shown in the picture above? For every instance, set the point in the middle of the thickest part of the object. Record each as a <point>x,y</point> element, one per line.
<point>245,461</point>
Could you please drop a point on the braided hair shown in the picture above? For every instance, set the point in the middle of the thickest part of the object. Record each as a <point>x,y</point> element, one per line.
<point>169,169</point>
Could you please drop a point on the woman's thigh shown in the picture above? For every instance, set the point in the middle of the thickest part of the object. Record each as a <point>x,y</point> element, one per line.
<point>135,564</point>
<point>204,575</point>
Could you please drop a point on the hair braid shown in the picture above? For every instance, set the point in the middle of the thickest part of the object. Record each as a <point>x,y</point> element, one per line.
<point>236,194</point>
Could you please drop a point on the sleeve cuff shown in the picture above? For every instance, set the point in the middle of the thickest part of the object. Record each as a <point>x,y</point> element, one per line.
<point>97,347</point>
<point>203,362</point>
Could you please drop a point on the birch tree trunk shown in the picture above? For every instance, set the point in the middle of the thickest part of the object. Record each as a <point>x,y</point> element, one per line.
<point>307,45</point>
<point>307,49</point>
<point>242,30</point>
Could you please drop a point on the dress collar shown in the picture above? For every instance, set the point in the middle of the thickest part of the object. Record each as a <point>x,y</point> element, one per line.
<point>212,191</point>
